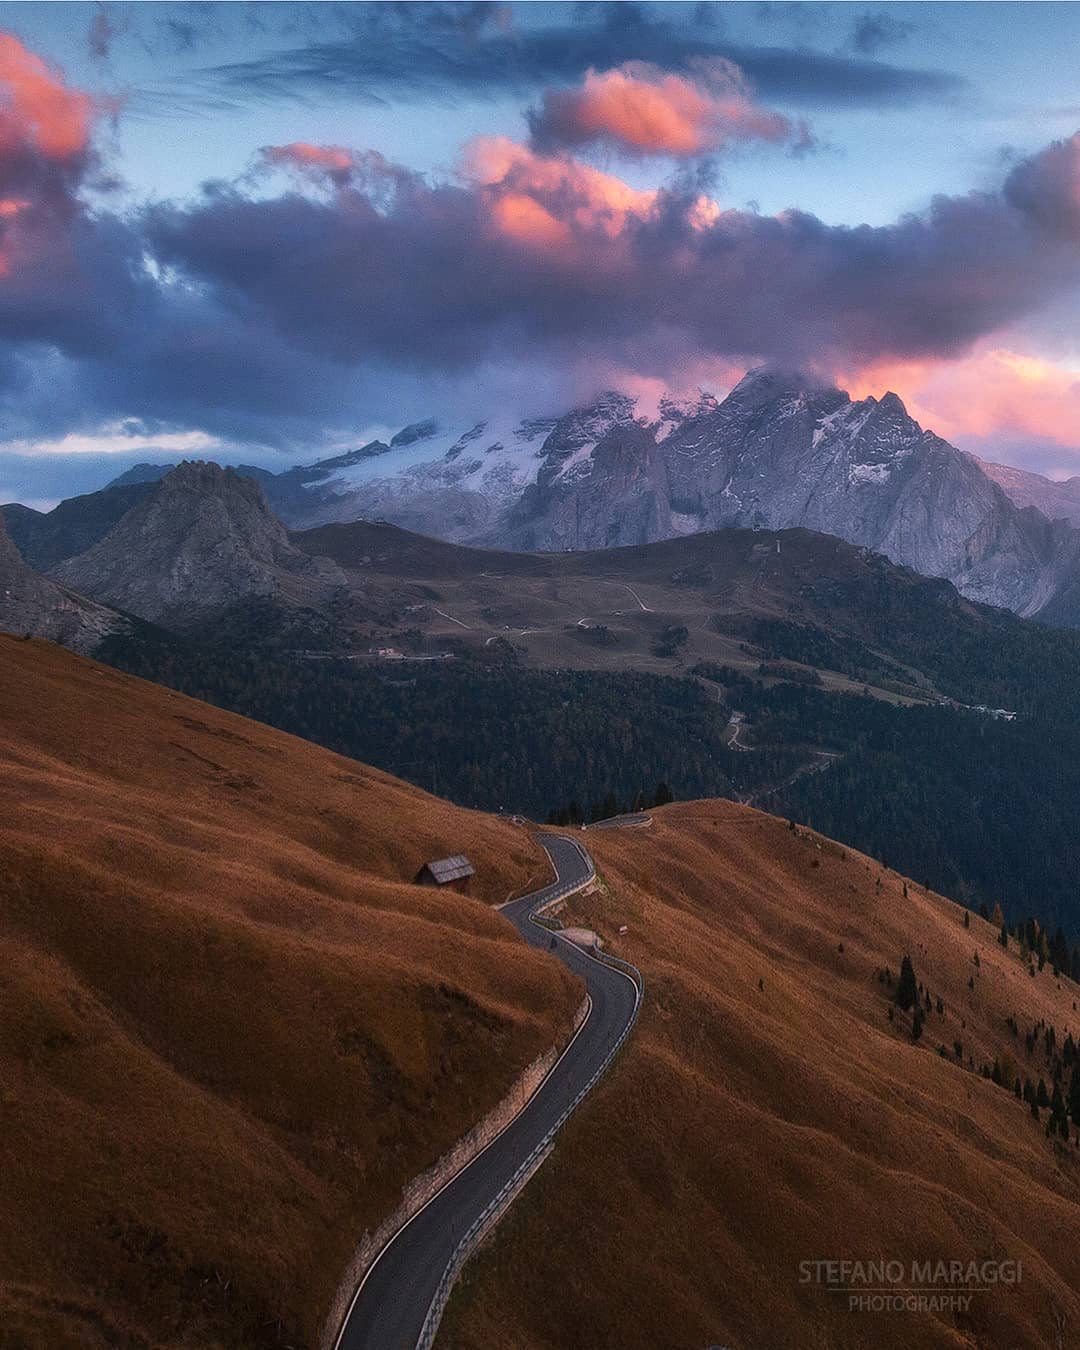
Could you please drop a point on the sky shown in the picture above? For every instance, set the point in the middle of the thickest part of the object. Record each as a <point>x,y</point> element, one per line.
<point>264,233</point>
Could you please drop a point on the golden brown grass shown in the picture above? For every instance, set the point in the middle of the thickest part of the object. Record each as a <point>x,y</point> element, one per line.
<point>746,1129</point>
<point>229,1030</point>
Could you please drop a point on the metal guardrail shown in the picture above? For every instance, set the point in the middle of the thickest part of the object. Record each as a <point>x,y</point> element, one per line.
<point>470,1239</point>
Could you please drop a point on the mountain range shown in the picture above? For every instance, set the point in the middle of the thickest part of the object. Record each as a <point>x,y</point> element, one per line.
<point>782,450</point>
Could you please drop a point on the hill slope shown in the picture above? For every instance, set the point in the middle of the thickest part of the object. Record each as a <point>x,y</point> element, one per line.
<point>46,538</point>
<point>846,612</point>
<point>770,1113</point>
<point>32,604</point>
<point>230,1031</point>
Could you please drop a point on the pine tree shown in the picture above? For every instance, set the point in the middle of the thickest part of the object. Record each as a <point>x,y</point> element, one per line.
<point>1003,936</point>
<point>907,991</point>
<point>1074,1095</point>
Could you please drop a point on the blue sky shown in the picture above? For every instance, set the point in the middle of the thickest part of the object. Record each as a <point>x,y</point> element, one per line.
<point>184,121</point>
<point>209,321</point>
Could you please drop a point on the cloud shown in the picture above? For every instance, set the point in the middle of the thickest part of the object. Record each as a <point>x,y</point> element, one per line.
<point>543,256</point>
<point>642,110</point>
<point>365,170</point>
<point>874,29</point>
<point>1046,187</point>
<point>278,310</point>
<point>992,394</point>
<point>334,161</point>
<point>106,25</point>
<point>41,116</point>
<point>45,154</point>
<point>577,198</point>
<point>447,53</point>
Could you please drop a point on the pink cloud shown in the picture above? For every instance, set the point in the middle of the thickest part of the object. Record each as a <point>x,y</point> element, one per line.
<point>304,157</point>
<point>45,151</point>
<point>547,200</point>
<point>557,201</point>
<point>643,110</point>
<point>37,110</point>
<point>992,393</point>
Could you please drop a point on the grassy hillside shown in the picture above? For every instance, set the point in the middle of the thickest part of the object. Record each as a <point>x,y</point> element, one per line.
<point>230,1030</point>
<point>769,1112</point>
<point>728,596</point>
<point>978,807</point>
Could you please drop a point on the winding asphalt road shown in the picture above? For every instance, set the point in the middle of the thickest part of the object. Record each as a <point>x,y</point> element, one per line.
<point>390,1307</point>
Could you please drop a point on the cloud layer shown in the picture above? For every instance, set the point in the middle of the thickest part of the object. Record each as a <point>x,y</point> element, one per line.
<point>443,52</point>
<point>277,309</point>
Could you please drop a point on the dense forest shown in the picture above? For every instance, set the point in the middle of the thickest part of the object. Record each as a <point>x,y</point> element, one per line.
<point>1001,661</point>
<point>486,734</point>
<point>980,809</point>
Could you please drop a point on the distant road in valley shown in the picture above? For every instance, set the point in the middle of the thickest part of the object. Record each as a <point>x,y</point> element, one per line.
<point>392,1304</point>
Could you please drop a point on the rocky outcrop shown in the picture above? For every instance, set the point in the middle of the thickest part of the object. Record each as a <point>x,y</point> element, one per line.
<point>33,605</point>
<point>203,540</point>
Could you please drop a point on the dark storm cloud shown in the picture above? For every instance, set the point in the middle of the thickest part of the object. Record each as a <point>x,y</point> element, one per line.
<point>1047,188</point>
<point>545,259</point>
<point>270,318</point>
<point>439,52</point>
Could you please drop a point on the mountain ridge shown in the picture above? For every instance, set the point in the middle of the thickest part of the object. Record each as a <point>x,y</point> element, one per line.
<point>782,450</point>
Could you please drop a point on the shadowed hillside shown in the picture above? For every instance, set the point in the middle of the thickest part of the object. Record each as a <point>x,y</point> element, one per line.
<point>229,1031</point>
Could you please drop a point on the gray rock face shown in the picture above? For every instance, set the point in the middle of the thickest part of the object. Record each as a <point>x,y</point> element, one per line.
<point>33,604</point>
<point>202,540</point>
<point>1056,500</point>
<point>782,452</point>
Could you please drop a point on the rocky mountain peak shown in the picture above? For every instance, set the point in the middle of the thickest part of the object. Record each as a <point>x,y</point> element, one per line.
<point>892,403</point>
<point>198,493</point>
<point>202,540</point>
<point>775,384</point>
<point>579,431</point>
<point>675,411</point>
<point>416,431</point>
<point>597,418</point>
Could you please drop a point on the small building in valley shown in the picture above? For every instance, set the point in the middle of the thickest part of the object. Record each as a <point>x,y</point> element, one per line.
<point>453,872</point>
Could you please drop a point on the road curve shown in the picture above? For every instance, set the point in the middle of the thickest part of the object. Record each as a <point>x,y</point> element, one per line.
<point>392,1304</point>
